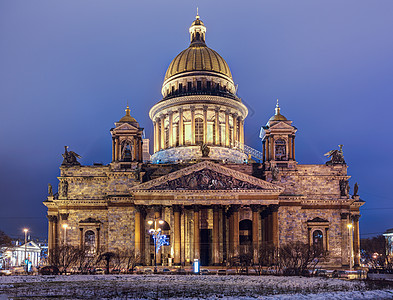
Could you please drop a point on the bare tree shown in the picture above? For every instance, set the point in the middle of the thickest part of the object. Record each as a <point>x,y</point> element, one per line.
<point>267,257</point>
<point>64,256</point>
<point>373,252</point>
<point>5,243</point>
<point>107,257</point>
<point>130,259</point>
<point>295,258</point>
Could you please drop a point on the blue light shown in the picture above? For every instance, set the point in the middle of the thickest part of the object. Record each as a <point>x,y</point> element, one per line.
<point>196,266</point>
<point>160,240</point>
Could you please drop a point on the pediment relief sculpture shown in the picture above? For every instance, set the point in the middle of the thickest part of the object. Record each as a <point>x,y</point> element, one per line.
<point>206,180</point>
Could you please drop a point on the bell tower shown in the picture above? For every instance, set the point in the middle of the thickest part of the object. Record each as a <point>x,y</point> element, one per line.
<point>278,140</point>
<point>127,141</point>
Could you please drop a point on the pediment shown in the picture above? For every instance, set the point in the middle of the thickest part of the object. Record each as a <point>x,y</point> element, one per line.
<point>208,176</point>
<point>125,126</point>
<point>31,245</point>
<point>282,126</point>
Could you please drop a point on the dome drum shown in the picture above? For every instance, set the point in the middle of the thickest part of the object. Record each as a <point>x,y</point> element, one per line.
<point>186,154</point>
<point>199,83</point>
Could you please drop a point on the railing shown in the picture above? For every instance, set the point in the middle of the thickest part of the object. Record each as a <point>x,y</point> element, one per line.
<point>248,150</point>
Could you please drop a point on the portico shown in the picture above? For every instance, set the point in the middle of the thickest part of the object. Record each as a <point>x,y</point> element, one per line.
<point>204,224</point>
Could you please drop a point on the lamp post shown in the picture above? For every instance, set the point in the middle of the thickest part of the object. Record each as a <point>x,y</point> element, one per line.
<point>25,231</point>
<point>350,245</point>
<point>156,233</point>
<point>65,226</point>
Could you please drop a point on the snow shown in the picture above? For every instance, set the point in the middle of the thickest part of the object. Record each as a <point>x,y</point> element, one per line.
<point>186,287</point>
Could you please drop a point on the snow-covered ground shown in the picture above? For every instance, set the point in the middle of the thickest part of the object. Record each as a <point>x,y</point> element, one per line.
<point>185,286</point>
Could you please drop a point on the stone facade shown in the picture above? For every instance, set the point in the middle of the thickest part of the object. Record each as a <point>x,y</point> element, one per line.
<point>214,201</point>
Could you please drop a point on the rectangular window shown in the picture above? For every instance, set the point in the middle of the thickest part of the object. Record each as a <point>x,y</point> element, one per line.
<point>199,85</point>
<point>189,86</point>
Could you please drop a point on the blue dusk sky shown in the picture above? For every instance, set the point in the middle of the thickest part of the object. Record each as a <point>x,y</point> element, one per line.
<point>68,68</point>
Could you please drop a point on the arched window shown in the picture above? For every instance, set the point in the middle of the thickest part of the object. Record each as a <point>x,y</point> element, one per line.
<point>90,241</point>
<point>280,150</point>
<point>245,232</point>
<point>127,151</point>
<point>198,131</point>
<point>317,239</point>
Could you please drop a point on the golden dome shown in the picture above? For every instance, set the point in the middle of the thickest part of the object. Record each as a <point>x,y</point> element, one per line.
<point>127,118</point>
<point>278,116</point>
<point>198,57</point>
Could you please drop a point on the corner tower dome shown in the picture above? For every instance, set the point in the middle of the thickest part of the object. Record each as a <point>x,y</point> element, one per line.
<point>200,116</point>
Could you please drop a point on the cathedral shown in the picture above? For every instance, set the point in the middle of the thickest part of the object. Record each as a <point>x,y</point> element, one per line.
<point>214,196</point>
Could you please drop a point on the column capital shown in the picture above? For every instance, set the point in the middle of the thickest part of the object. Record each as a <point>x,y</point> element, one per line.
<point>196,207</point>
<point>180,109</point>
<point>355,218</point>
<point>274,207</point>
<point>177,208</point>
<point>170,113</point>
<point>217,109</point>
<point>140,208</point>
<point>64,216</point>
<point>235,207</point>
<point>204,108</point>
<point>264,213</point>
<point>52,218</point>
<point>344,216</point>
<point>216,207</point>
<point>255,207</point>
<point>192,108</point>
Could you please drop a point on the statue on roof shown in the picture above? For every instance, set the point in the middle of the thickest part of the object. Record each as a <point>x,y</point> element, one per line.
<point>70,158</point>
<point>205,150</point>
<point>355,189</point>
<point>50,190</point>
<point>336,157</point>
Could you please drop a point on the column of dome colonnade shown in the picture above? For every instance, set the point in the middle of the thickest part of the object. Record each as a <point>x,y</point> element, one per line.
<point>188,126</point>
<point>199,107</point>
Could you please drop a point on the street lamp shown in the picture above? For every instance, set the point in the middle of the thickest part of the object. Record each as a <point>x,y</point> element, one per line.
<point>159,239</point>
<point>26,231</point>
<point>65,226</point>
<point>350,245</point>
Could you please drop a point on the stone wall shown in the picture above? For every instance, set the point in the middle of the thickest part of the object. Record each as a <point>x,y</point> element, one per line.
<point>313,180</point>
<point>293,227</point>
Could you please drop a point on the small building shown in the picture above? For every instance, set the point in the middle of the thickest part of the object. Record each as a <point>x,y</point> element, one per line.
<point>15,256</point>
<point>389,241</point>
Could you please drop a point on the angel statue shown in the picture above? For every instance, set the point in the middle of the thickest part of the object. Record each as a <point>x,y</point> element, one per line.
<point>205,150</point>
<point>70,158</point>
<point>356,189</point>
<point>336,156</point>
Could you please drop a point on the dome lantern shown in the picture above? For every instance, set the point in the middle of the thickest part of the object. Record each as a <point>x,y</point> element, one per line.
<point>197,31</point>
